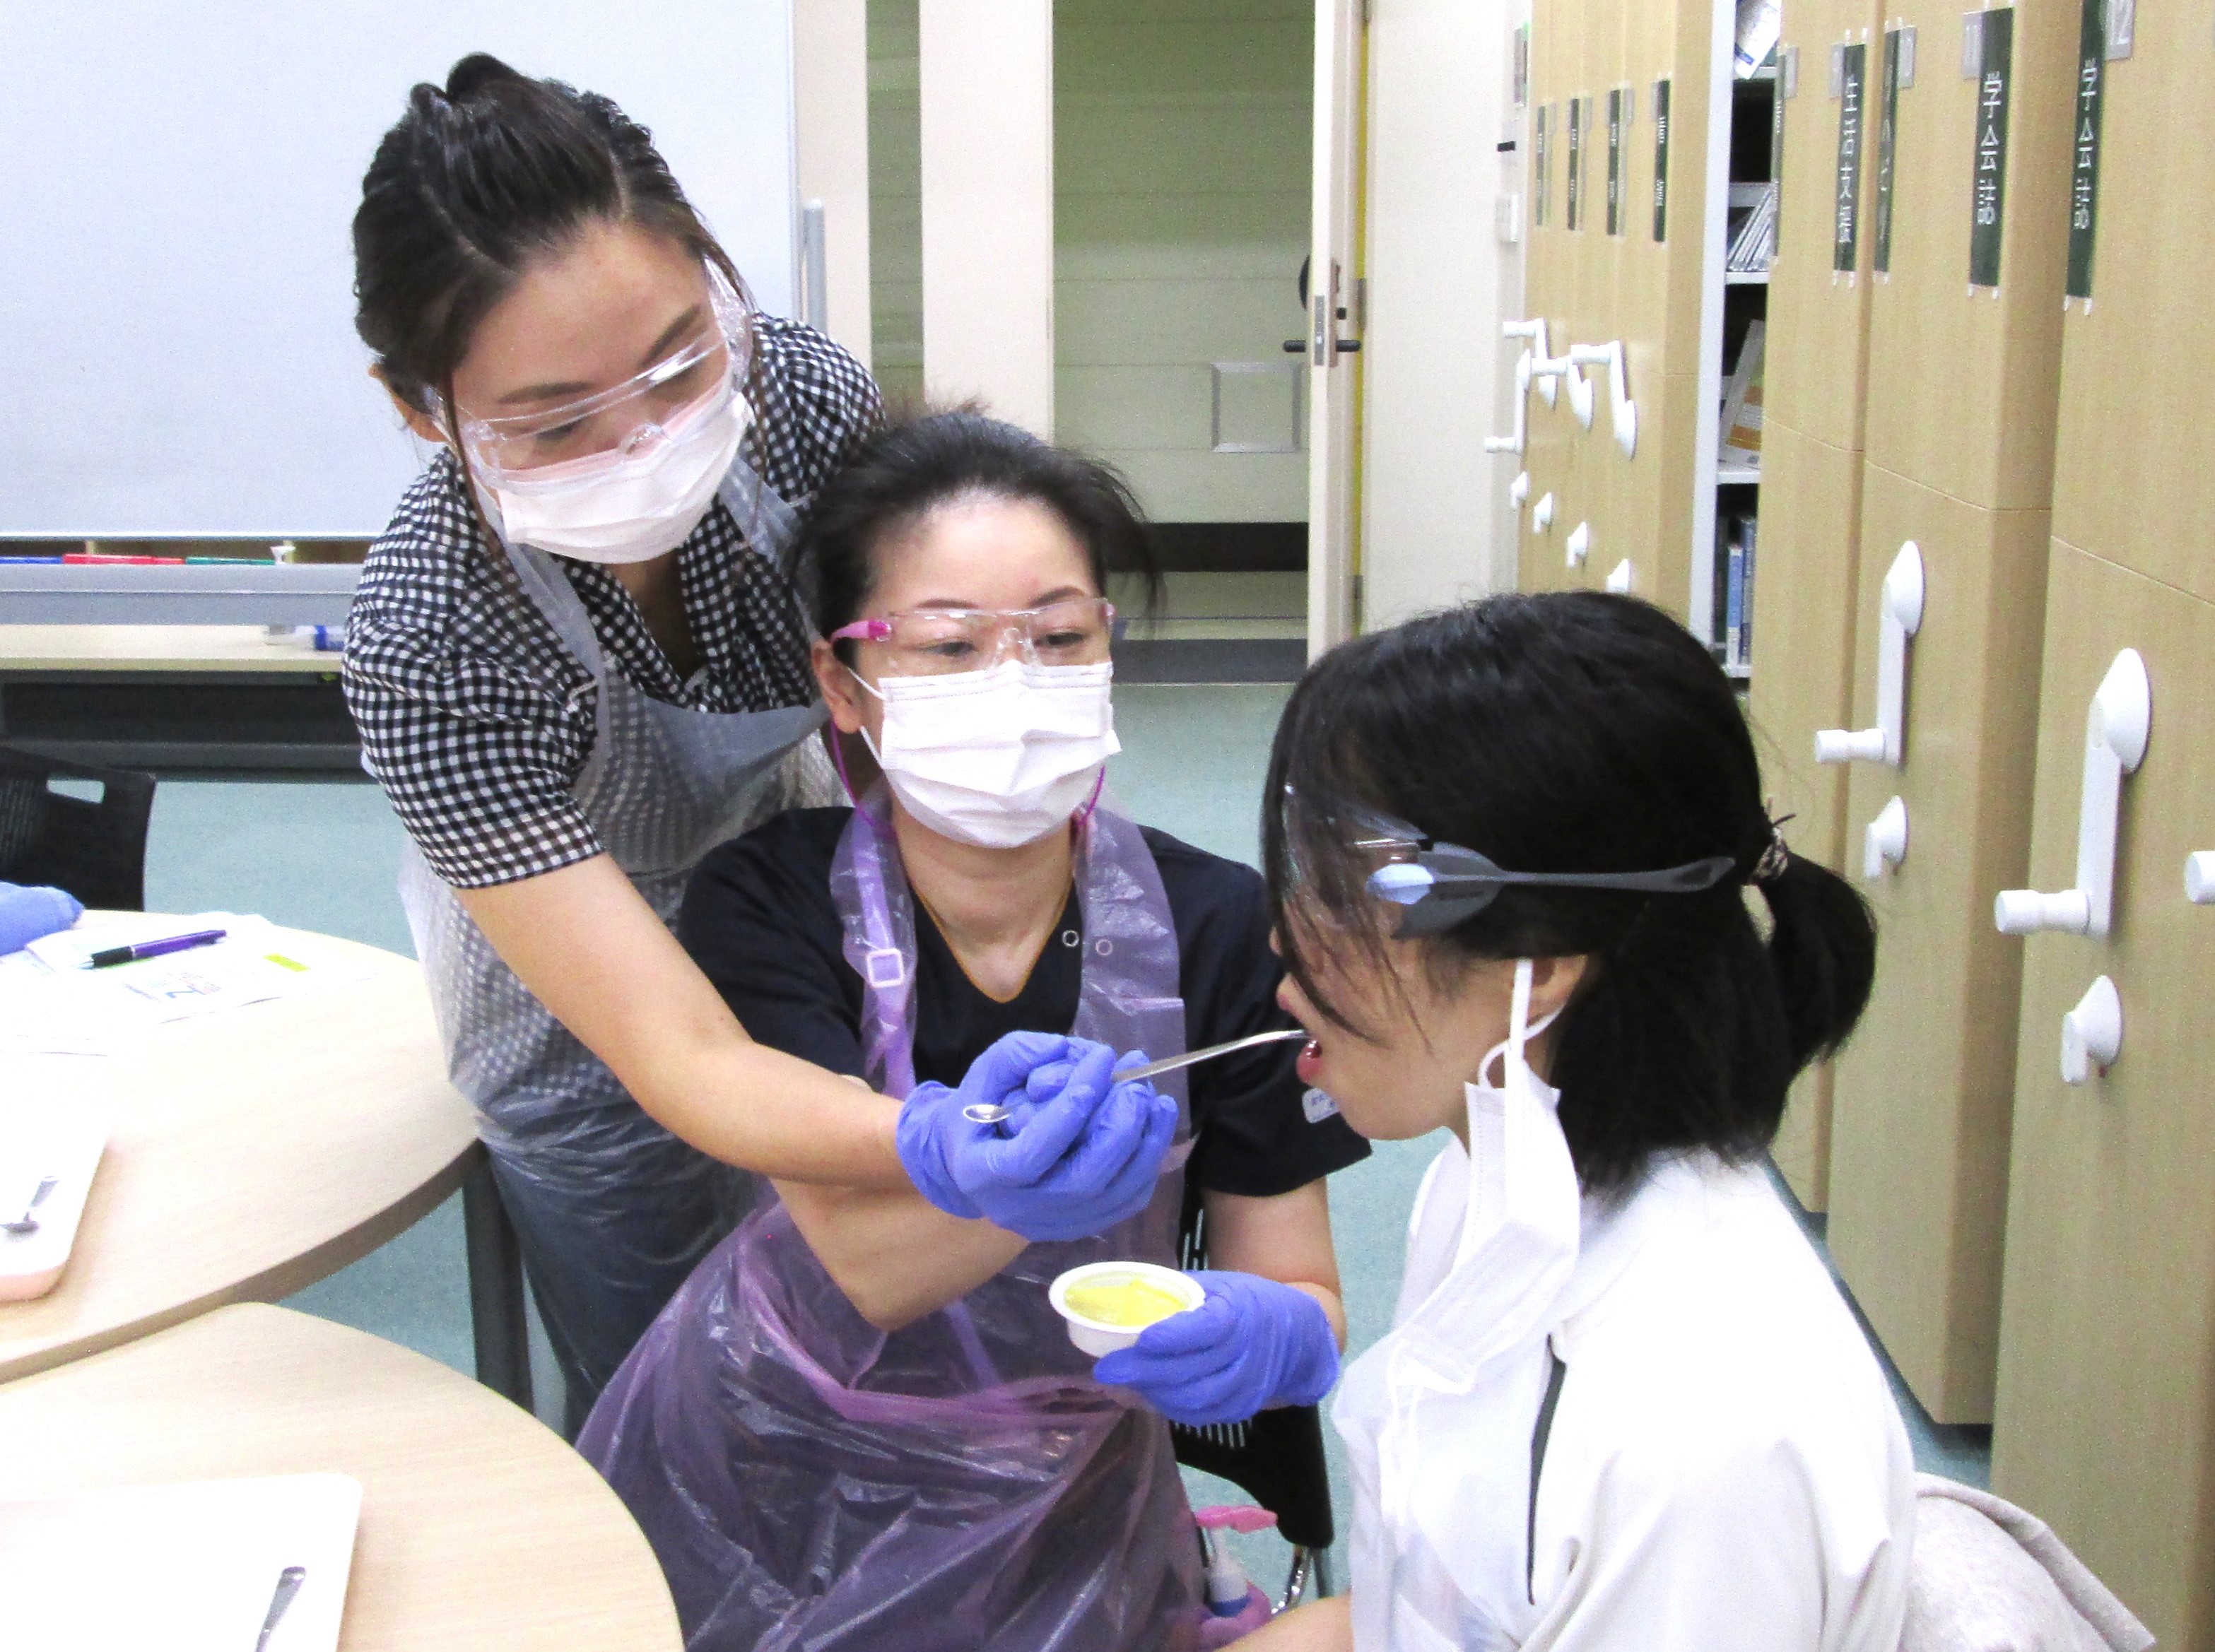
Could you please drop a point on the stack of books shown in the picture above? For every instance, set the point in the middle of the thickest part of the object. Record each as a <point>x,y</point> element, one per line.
<point>1734,638</point>
<point>1754,237</point>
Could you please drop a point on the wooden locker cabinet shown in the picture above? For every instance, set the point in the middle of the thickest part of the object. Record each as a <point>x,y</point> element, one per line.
<point>1550,448</point>
<point>1657,306</point>
<point>2105,1424</point>
<point>2133,481</point>
<point>1919,1143</point>
<point>1810,500</point>
<point>2105,1416</point>
<point>1593,288</point>
<point>1962,391</point>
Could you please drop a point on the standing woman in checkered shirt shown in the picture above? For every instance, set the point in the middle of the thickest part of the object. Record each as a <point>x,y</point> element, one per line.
<point>577,664</point>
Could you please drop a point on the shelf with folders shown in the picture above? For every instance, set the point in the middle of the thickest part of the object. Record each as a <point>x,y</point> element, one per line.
<point>1742,244</point>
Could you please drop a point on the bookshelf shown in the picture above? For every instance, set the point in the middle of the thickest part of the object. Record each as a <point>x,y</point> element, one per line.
<point>1739,240</point>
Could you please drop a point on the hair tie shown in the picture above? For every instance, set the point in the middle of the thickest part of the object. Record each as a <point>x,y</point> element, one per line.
<point>1775,857</point>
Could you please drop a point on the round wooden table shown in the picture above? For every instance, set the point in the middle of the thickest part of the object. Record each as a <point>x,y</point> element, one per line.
<point>252,1152</point>
<point>479,1527</point>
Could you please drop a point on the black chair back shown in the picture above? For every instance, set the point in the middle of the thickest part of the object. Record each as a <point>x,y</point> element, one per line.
<point>94,850</point>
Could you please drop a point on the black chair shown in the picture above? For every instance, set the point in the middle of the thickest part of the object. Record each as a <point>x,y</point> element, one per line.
<point>1275,1458</point>
<point>97,851</point>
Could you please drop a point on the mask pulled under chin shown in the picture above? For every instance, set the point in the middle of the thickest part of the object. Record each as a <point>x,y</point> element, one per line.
<point>1000,757</point>
<point>613,509</point>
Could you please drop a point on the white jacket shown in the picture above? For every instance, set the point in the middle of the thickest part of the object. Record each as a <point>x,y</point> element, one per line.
<point>1725,1469</point>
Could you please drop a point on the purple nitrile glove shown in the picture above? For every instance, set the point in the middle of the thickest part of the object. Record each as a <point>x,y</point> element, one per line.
<point>1253,1344</point>
<point>1077,1154</point>
<point>931,1118</point>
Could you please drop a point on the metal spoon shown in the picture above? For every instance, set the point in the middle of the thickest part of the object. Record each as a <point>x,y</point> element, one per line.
<point>985,1112</point>
<point>28,1223</point>
<point>288,1585</point>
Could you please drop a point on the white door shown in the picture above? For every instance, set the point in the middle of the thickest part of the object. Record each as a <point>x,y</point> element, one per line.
<point>1334,382</point>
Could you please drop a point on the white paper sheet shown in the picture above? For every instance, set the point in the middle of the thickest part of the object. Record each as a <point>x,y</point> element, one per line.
<point>52,1004</point>
<point>187,1568</point>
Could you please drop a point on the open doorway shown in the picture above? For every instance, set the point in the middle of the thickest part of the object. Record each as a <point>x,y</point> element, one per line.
<point>1182,145</point>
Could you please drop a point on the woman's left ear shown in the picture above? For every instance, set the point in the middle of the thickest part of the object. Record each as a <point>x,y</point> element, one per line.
<point>839,693</point>
<point>1553,982</point>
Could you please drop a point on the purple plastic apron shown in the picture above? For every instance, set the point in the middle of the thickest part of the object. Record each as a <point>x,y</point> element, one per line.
<point>960,1484</point>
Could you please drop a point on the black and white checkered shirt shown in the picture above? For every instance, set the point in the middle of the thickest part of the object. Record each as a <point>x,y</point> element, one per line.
<point>476,718</point>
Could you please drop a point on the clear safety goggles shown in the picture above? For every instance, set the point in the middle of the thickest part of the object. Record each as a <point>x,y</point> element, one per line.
<point>626,418</point>
<point>1439,884</point>
<point>936,642</point>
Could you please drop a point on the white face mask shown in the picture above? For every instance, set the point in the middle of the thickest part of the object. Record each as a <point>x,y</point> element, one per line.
<point>620,506</point>
<point>998,757</point>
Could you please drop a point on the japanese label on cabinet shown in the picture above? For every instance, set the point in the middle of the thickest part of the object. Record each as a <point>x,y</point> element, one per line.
<point>1572,189</point>
<point>1888,125</point>
<point>1542,172</point>
<point>1615,162</point>
<point>1845,223</point>
<point>1660,159</point>
<point>2085,164</point>
<point>1988,188</point>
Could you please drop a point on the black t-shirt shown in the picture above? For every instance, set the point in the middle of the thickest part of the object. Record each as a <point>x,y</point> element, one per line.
<point>759,920</point>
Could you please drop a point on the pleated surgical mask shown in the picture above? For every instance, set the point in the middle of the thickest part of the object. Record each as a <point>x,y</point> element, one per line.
<point>999,757</point>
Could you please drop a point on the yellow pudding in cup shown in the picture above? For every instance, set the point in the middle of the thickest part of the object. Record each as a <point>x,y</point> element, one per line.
<point>1108,1304</point>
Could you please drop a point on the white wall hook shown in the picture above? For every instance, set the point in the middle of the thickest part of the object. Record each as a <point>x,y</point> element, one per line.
<point>1534,331</point>
<point>1519,489</point>
<point>1550,368</point>
<point>2092,1033</point>
<point>1884,840</point>
<point>1541,514</point>
<point>1579,544</point>
<point>1513,443</point>
<point>2199,878</point>
<point>2114,745</point>
<point>1618,579</point>
<point>1622,411</point>
<point>1900,618</point>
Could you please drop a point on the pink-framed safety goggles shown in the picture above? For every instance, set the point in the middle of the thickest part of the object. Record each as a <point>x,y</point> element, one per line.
<point>936,642</point>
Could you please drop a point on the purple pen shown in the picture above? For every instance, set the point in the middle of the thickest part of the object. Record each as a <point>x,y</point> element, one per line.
<point>155,948</point>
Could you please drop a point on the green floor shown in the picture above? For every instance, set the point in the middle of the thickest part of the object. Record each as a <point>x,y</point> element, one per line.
<point>323,854</point>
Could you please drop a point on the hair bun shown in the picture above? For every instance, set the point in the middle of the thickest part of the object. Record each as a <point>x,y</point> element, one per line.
<point>474,73</point>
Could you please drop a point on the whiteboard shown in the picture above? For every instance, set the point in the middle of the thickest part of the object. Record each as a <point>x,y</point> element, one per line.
<point>177,188</point>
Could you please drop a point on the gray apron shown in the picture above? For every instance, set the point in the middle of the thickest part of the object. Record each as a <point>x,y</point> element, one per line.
<point>611,1209</point>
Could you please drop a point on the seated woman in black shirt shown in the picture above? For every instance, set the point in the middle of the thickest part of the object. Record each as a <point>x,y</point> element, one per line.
<point>861,1424</point>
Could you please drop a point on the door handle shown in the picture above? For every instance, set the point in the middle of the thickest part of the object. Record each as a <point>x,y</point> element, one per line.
<point>1541,514</point>
<point>1519,489</point>
<point>1884,840</point>
<point>1578,545</point>
<point>1619,578</point>
<point>2092,1033</point>
<point>1324,346</point>
<point>1580,392</point>
<point>1899,617</point>
<point>1533,331</point>
<point>1622,411</point>
<point>2114,745</point>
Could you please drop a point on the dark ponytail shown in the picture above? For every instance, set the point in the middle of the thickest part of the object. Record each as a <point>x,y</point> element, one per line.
<point>479,177</point>
<point>1577,731</point>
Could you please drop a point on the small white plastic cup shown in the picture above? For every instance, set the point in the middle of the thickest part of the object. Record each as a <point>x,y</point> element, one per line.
<point>1096,1338</point>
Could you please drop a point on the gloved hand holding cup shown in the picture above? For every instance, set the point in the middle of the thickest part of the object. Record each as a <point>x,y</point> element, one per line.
<point>1251,1344</point>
